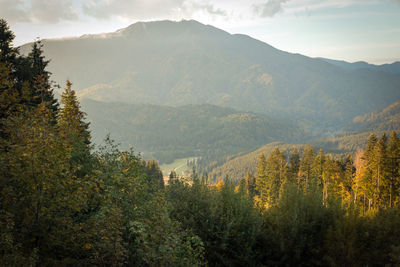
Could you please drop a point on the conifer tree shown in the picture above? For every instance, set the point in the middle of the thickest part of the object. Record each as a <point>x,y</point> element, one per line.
<point>393,163</point>
<point>75,131</point>
<point>8,53</point>
<point>276,171</point>
<point>346,182</point>
<point>250,181</point>
<point>379,171</point>
<point>306,165</point>
<point>41,86</point>
<point>172,177</point>
<point>154,175</point>
<point>261,178</point>
<point>294,165</point>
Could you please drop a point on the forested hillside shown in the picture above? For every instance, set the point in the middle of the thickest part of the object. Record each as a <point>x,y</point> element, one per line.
<point>236,166</point>
<point>168,133</point>
<point>64,203</point>
<point>387,119</point>
<point>355,135</point>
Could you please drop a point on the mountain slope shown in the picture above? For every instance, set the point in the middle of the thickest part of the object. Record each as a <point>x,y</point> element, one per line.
<point>180,63</point>
<point>167,133</point>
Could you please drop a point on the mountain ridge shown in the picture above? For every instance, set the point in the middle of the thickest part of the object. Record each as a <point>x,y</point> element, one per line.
<point>179,63</point>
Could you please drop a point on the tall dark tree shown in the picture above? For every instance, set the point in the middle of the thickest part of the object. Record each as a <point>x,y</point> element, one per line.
<point>250,184</point>
<point>41,85</point>
<point>154,175</point>
<point>306,165</point>
<point>294,166</point>
<point>8,53</point>
<point>276,171</point>
<point>393,163</point>
<point>261,178</point>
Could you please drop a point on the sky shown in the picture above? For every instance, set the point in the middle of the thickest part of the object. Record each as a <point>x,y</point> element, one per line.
<point>351,30</point>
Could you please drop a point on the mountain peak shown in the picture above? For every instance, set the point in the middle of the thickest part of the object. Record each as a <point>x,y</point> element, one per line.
<point>170,27</point>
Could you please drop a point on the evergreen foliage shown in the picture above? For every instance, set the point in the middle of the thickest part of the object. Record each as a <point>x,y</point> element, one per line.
<point>63,203</point>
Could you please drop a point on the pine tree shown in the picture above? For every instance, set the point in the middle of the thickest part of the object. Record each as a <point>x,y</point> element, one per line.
<point>393,163</point>
<point>379,171</point>
<point>8,53</point>
<point>75,131</point>
<point>11,96</point>
<point>294,166</point>
<point>41,87</point>
<point>154,175</point>
<point>172,177</point>
<point>250,184</point>
<point>346,182</point>
<point>261,178</point>
<point>306,165</point>
<point>276,171</point>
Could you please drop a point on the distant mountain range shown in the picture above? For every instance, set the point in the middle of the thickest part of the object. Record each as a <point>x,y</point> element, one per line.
<point>183,89</point>
<point>181,63</point>
<point>393,68</point>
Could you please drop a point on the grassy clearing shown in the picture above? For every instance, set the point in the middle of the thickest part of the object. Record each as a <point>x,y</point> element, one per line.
<point>179,166</point>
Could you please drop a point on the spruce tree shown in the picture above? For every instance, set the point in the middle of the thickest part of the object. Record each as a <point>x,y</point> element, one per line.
<point>379,171</point>
<point>41,85</point>
<point>250,184</point>
<point>294,166</point>
<point>393,163</point>
<point>8,53</point>
<point>75,131</point>
<point>276,171</point>
<point>261,178</point>
<point>306,165</point>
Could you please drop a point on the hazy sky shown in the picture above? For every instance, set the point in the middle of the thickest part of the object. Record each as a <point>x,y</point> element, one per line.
<point>352,30</point>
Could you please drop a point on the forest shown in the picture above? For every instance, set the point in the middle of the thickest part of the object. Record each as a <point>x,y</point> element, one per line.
<point>65,202</point>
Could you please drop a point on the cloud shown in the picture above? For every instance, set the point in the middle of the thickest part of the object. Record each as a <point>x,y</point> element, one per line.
<point>37,11</point>
<point>269,9</point>
<point>54,11</point>
<point>104,9</point>
<point>147,9</point>
<point>210,9</point>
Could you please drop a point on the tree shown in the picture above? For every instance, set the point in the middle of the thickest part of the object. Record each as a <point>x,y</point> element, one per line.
<point>250,182</point>
<point>41,87</point>
<point>261,178</point>
<point>306,165</point>
<point>294,166</point>
<point>154,175</point>
<point>379,171</point>
<point>75,131</point>
<point>276,171</point>
<point>8,53</point>
<point>393,163</point>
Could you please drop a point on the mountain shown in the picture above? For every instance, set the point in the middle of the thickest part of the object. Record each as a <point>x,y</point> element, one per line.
<point>167,133</point>
<point>181,63</point>
<point>393,68</point>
